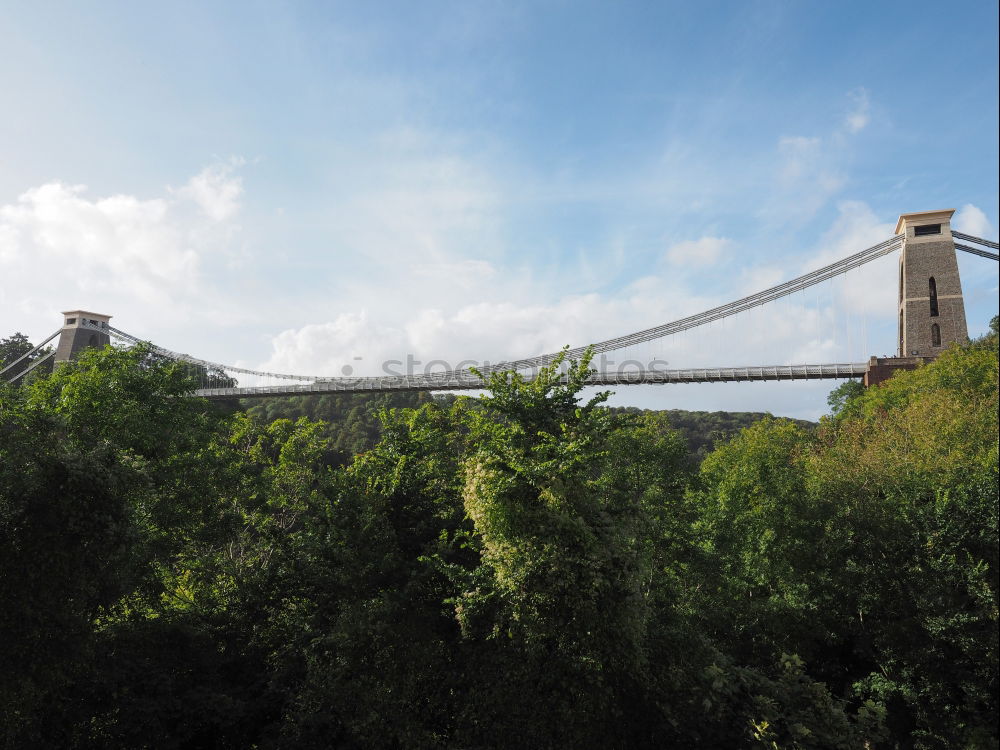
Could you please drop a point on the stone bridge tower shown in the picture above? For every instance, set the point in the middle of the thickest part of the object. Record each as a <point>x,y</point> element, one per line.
<point>931,308</point>
<point>81,330</point>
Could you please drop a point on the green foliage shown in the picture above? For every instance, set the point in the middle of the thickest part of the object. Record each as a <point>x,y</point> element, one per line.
<point>563,566</point>
<point>350,421</point>
<point>128,542</point>
<point>704,430</point>
<point>843,395</point>
<point>12,349</point>
<point>763,535</point>
<point>786,709</point>
<point>65,552</point>
<point>371,638</point>
<point>872,549</point>
<point>915,476</point>
<point>521,569</point>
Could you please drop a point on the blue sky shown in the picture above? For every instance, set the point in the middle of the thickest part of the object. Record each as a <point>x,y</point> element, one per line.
<point>301,185</point>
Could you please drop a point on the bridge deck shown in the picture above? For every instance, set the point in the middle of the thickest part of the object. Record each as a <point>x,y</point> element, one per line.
<point>469,382</point>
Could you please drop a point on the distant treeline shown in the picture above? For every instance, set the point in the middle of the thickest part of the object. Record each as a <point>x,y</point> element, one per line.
<point>522,569</point>
<point>352,425</point>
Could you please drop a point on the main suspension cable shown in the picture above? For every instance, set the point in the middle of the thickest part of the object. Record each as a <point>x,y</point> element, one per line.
<point>34,364</point>
<point>204,362</point>
<point>28,354</point>
<point>977,240</point>
<point>716,313</point>
<point>978,251</point>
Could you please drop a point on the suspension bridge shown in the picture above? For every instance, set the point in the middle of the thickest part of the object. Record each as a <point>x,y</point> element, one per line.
<point>931,317</point>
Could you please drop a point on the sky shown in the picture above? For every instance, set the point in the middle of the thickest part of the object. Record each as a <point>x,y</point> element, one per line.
<point>307,187</point>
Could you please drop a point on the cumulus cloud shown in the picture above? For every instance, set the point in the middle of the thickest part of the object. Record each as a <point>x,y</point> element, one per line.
<point>419,267</point>
<point>429,225</point>
<point>972,220</point>
<point>106,253</point>
<point>805,328</point>
<point>331,347</point>
<point>106,242</point>
<point>484,311</point>
<point>698,253</point>
<point>433,338</point>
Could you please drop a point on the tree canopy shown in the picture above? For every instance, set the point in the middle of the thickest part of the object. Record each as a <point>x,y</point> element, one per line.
<point>521,569</point>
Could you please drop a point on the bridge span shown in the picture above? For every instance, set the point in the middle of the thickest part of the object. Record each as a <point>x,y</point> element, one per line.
<point>931,313</point>
<point>470,382</point>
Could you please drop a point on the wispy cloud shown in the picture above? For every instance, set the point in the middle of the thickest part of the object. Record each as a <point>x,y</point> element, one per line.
<point>812,170</point>
<point>800,156</point>
<point>698,253</point>
<point>808,177</point>
<point>216,190</point>
<point>871,288</point>
<point>857,119</point>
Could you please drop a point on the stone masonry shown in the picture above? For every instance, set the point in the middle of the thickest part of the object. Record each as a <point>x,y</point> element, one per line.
<point>81,330</point>
<point>931,308</point>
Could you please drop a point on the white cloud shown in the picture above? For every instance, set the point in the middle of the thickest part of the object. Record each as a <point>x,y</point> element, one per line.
<point>808,176</point>
<point>799,157</point>
<point>105,242</point>
<point>418,264</point>
<point>216,190</point>
<point>483,332</point>
<point>698,253</point>
<point>465,273</point>
<point>805,328</point>
<point>870,289</point>
<point>810,170</point>
<point>971,220</point>
<point>857,119</point>
<point>327,348</point>
<point>109,253</point>
<point>759,278</point>
<point>416,204</point>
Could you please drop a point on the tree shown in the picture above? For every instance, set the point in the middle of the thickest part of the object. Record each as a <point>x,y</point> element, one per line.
<point>69,545</point>
<point>841,396</point>
<point>915,476</point>
<point>560,598</point>
<point>374,648</point>
<point>108,495</point>
<point>870,550</point>
<point>15,347</point>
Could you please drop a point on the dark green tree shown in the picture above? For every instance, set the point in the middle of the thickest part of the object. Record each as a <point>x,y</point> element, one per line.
<point>66,552</point>
<point>373,650</point>
<point>841,397</point>
<point>13,349</point>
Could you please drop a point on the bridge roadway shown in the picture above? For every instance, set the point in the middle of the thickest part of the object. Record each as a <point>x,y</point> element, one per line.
<point>467,381</point>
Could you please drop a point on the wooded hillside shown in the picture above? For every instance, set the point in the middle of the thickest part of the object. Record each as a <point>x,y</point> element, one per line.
<point>352,425</point>
<point>518,570</point>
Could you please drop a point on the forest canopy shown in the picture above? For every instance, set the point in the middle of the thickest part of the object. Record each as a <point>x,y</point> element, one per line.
<point>524,569</point>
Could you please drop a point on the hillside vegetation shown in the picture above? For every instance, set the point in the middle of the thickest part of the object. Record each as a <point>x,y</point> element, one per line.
<point>351,423</point>
<point>518,570</point>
